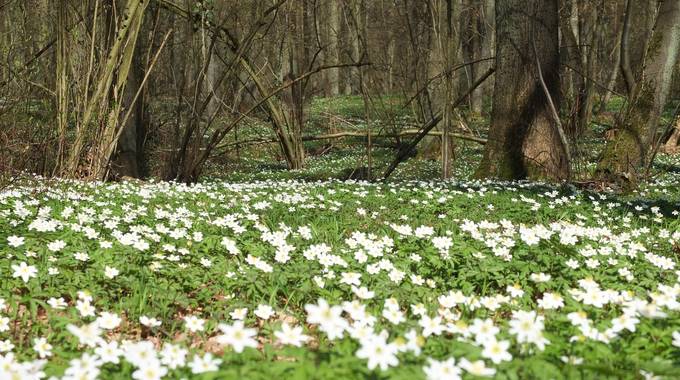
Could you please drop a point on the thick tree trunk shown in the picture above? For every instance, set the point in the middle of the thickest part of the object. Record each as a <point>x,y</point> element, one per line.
<point>523,136</point>
<point>444,44</point>
<point>117,64</point>
<point>122,96</point>
<point>579,45</point>
<point>125,162</point>
<point>571,58</point>
<point>292,144</point>
<point>128,158</point>
<point>643,16</point>
<point>629,154</point>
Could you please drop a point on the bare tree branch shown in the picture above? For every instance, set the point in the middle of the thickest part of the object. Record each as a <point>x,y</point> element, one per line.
<point>403,153</point>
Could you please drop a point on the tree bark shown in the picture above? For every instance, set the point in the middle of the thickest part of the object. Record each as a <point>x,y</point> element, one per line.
<point>332,50</point>
<point>588,45</point>
<point>477,34</point>
<point>488,42</point>
<point>672,145</point>
<point>524,141</point>
<point>444,45</point>
<point>628,155</point>
<point>125,162</point>
<point>642,26</point>
<point>61,82</point>
<point>114,65</point>
<point>571,58</point>
<point>121,96</point>
<point>611,68</point>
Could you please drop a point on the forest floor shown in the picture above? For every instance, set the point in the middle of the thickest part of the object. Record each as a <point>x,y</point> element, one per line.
<point>269,273</point>
<point>347,158</point>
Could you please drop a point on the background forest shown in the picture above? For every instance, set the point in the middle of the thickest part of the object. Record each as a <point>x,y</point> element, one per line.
<point>168,88</point>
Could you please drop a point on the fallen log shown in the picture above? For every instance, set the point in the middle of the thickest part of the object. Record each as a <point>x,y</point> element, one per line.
<point>338,135</point>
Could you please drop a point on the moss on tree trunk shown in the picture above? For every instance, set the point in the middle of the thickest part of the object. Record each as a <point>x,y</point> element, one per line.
<point>628,155</point>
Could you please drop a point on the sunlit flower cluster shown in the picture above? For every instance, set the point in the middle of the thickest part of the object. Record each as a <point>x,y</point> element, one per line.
<point>442,279</point>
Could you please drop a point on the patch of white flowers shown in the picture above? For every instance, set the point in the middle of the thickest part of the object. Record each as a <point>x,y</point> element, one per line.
<point>503,323</point>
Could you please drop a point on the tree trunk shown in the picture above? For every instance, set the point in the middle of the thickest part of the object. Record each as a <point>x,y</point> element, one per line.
<point>211,75</point>
<point>125,162</point>
<point>628,155</point>
<point>333,47</point>
<point>451,44</point>
<point>588,41</point>
<point>523,136</point>
<point>354,8</point>
<point>61,82</point>
<point>571,57</point>
<point>121,95</point>
<point>180,67</point>
<point>294,97</point>
<point>477,35</point>
<point>116,64</point>
<point>672,145</point>
<point>444,43</point>
<point>642,25</point>
<point>611,68</point>
<point>488,41</point>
